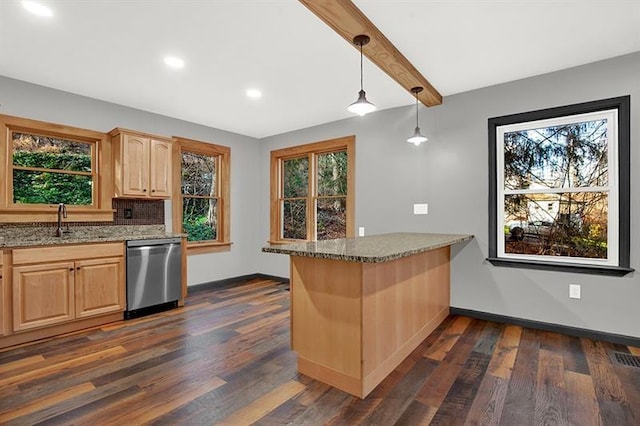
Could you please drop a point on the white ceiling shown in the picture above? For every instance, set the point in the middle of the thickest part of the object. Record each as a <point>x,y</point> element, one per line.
<point>113,50</point>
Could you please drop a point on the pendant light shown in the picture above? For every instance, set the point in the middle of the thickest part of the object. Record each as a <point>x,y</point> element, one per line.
<point>362,106</point>
<point>417,138</point>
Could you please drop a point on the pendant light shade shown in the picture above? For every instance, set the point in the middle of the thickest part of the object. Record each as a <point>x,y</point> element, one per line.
<point>417,138</point>
<point>362,106</point>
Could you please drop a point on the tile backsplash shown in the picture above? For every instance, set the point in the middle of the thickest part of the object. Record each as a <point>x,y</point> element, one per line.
<point>138,212</point>
<point>127,212</point>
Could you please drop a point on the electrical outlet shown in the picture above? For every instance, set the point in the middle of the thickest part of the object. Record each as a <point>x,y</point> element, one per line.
<point>574,291</point>
<point>361,231</point>
<point>421,208</point>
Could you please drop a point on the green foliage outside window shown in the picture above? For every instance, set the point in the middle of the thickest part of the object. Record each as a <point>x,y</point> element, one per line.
<point>48,187</point>
<point>295,189</point>
<point>331,208</point>
<point>200,218</point>
<point>49,170</point>
<point>199,197</point>
<point>53,161</point>
<point>331,200</point>
<point>332,173</point>
<point>537,164</point>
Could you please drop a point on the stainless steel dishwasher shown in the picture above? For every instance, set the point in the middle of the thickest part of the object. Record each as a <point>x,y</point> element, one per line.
<point>154,275</point>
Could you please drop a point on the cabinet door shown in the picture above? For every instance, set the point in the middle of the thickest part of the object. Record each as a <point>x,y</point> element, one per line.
<point>135,166</point>
<point>42,295</point>
<point>99,286</point>
<point>5,308</point>
<point>160,169</point>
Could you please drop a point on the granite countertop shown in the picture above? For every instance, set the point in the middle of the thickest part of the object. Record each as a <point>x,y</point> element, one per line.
<point>16,237</point>
<point>370,249</point>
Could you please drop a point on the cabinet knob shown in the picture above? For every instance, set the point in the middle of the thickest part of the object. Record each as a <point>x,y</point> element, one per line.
<point>0,276</point>
<point>78,268</point>
<point>144,190</point>
<point>71,269</point>
<point>153,190</point>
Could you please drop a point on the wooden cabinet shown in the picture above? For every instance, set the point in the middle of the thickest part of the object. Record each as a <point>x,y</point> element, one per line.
<point>160,168</point>
<point>134,166</point>
<point>142,164</point>
<point>96,292</point>
<point>55,285</point>
<point>42,295</point>
<point>5,303</point>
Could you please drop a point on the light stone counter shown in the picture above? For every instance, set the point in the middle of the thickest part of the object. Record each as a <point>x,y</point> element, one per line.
<point>18,236</point>
<point>370,249</point>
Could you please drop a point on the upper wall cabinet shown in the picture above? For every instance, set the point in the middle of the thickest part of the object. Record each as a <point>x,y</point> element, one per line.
<point>142,164</point>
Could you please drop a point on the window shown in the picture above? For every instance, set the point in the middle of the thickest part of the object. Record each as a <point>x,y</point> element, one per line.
<point>312,195</point>
<point>49,170</point>
<point>201,195</point>
<point>559,190</point>
<point>47,164</point>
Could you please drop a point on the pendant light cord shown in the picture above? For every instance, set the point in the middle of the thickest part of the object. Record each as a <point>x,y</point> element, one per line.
<point>361,85</point>
<point>416,110</point>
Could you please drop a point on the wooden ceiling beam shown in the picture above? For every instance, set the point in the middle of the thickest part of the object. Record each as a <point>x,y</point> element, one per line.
<point>346,19</point>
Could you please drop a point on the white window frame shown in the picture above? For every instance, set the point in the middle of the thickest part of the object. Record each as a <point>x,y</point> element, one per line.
<point>611,189</point>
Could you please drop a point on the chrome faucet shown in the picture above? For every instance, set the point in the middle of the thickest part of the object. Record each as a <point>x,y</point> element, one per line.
<point>62,212</point>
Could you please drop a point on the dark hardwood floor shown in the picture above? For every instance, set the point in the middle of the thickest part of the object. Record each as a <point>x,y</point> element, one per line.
<point>225,358</point>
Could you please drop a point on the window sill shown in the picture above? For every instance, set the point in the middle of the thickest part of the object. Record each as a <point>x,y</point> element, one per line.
<point>280,242</point>
<point>617,271</point>
<point>50,214</point>
<point>201,247</point>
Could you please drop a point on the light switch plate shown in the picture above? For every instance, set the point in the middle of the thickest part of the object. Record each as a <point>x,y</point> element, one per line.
<point>421,209</point>
<point>574,291</point>
<point>361,231</point>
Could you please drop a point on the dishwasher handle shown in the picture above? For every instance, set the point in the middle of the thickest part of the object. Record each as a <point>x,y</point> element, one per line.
<point>155,242</point>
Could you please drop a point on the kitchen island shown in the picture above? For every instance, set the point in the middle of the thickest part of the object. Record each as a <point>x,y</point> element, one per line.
<point>359,306</point>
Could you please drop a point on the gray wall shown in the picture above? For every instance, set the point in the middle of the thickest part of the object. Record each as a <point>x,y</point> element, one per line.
<point>450,173</point>
<point>40,103</point>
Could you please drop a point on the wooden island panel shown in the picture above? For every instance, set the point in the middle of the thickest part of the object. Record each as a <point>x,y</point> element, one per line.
<point>353,323</point>
<point>404,301</point>
<point>326,318</point>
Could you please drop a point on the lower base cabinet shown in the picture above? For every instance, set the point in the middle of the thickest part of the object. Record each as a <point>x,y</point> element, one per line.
<point>53,286</point>
<point>5,303</point>
<point>95,286</point>
<point>42,295</point>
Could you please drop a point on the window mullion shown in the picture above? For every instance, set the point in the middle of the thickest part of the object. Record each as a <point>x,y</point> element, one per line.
<point>216,195</point>
<point>58,171</point>
<point>574,190</point>
<point>280,206</point>
<point>312,232</point>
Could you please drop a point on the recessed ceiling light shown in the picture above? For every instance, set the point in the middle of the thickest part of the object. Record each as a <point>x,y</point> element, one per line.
<point>254,93</point>
<point>173,62</point>
<point>37,8</point>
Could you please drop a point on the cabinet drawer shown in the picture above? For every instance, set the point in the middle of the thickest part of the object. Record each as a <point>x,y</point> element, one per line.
<point>64,252</point>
